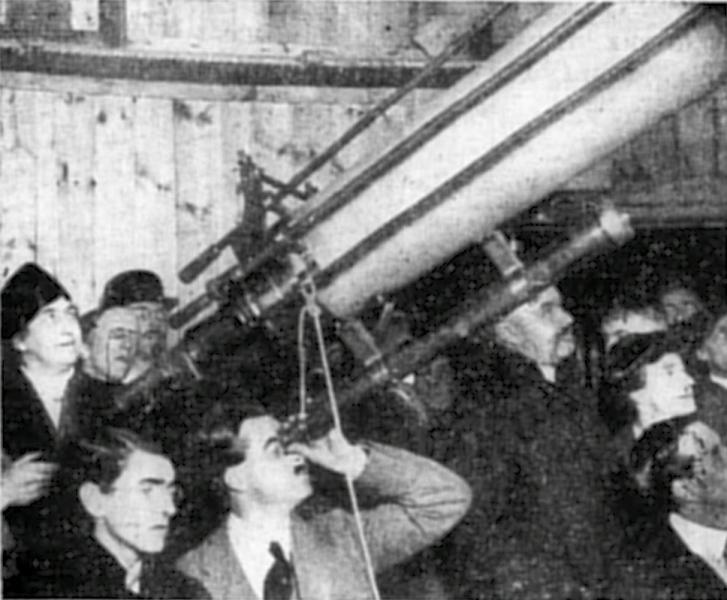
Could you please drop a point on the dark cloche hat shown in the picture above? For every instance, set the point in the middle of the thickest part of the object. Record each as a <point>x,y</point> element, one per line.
<point>24,294</point>
<point>135,286</point>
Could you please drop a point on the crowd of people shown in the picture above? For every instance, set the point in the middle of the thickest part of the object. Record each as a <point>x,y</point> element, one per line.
<point>525,479</point>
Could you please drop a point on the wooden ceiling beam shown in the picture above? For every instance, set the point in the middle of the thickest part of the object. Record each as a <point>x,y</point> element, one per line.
<point>103,63</point>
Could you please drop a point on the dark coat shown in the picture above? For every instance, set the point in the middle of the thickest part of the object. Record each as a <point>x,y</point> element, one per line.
<point>95,405</point>
<point>87,570</point>
<point>712,406</point>
<point>26,424</point>
<point>536,455</point>
<point>657,565</point>
<point>27,427</point>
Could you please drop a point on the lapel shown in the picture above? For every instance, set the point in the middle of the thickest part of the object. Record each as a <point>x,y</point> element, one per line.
<point>311,563</point>
<point>218,569</point>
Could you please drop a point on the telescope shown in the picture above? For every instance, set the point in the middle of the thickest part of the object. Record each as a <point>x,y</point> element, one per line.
<point>492,146</point>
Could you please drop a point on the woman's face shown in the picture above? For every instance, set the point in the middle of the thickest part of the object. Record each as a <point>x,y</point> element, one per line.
<point>668,389</point>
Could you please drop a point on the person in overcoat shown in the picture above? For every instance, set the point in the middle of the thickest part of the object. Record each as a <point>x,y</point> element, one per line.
<point>415,501</point>
<point>530,442</point>
<point>41,348</point>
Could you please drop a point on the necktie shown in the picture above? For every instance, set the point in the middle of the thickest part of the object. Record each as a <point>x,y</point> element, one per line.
<point>278,583</point>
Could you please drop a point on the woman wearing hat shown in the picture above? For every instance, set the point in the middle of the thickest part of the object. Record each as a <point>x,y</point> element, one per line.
<point>41,347</point>
<point>646,382</point>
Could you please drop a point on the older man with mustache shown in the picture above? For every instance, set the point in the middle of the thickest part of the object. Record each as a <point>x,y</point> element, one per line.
<point>535,460</point>
<point>112,343</point>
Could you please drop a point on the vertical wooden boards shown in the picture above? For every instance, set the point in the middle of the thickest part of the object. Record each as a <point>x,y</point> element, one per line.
<point>152,209</point>
<point>237,136</point>
<point>720,97</point>
<point>46,180</point>
<point>202,209</point>
<point>250,21</point>
<point>18,212</point>
<point>116,235</point>
<point>74,144</point>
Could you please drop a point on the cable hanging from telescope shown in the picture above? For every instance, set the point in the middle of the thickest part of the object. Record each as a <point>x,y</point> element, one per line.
<point>313,310</point>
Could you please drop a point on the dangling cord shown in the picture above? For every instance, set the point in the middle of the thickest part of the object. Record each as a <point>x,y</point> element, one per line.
<point>312,308</point>
<point>302,362</point>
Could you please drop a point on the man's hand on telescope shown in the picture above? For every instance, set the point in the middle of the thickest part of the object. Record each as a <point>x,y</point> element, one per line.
<point>333,452</point>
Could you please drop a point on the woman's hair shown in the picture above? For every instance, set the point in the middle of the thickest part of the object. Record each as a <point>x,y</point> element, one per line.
<point>624,373</point>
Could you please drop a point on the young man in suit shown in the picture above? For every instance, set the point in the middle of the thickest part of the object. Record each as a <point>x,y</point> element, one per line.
<point>126,487</point>
<point>266,550</point>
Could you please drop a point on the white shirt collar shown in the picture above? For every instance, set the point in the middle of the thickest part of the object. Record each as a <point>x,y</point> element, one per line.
<point>720,381</point>
<point>548,372</point>
<point>251,545</point>
<point>706,542</point>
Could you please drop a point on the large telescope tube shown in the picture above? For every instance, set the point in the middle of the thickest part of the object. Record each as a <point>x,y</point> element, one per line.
<point>533,128</point>
<point>487,306</point>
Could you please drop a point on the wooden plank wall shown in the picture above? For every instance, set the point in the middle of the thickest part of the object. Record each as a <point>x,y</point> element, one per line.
<point>92,184</point>
<point>291,27</point>
<point>98,182</point>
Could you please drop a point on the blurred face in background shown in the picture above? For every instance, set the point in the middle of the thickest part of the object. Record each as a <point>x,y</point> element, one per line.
<point>112,344</point>
<point>714,348</point>
<point>680,304</point>
<point>153,327</point>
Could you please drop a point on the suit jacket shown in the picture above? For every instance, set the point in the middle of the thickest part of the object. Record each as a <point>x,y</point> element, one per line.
<point>420,502</point>
<point>658,566</point>
<point>712,406</point>
<point>86,570</point>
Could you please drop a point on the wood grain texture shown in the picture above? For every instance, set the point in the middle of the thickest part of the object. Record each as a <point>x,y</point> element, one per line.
<point>97,177</point>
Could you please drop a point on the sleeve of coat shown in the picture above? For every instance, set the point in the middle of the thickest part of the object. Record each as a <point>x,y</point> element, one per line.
<point>420,501</point>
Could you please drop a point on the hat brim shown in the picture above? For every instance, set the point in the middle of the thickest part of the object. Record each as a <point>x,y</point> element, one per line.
<point>169,303</point>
